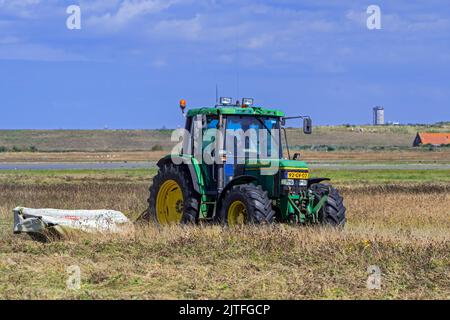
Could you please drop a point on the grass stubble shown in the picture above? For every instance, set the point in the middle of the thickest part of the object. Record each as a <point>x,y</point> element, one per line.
<point>402,228</point>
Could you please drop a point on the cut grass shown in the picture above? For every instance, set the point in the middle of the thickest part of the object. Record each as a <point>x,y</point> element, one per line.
<point>281,262</point>
<point>401,227</point>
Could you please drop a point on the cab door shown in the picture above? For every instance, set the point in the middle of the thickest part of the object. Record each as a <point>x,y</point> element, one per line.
<point>208,152</point>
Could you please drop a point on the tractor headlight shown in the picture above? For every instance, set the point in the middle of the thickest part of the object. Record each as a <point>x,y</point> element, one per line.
<point>287,182</point>
<point>302,183</point>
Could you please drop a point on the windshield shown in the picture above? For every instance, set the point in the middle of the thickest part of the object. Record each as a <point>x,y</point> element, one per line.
<point>254,137</point>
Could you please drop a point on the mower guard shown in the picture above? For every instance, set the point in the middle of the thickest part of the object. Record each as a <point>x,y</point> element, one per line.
<point>43,221</point>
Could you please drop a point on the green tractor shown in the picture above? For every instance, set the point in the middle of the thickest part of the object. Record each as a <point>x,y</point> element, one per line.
<point>229,168</point>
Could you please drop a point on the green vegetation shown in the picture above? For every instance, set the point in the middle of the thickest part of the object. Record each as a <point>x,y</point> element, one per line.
<point>331,148</point>
<point>338,176</point>
<point>383,176</point>
<point>18,149</point>
<point>157,147</point>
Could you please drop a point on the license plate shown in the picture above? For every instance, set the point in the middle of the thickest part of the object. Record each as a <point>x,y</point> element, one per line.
<point>298,175</point>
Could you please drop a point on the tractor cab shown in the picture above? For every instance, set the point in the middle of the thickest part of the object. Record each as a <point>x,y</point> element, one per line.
<point>241,140</point>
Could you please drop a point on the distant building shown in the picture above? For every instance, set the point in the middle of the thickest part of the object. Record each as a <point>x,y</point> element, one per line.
<point>378,116</point>
<point>432,138</point>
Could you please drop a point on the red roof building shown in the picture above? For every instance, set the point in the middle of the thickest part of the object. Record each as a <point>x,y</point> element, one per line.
<point>435,139</point>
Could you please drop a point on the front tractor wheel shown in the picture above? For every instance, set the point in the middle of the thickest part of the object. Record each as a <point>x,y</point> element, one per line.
<point>172,197</point>
<point>246,204</point>
<point>333,211</point>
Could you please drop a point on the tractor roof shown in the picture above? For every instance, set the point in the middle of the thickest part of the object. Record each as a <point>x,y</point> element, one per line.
<point>236,111</point>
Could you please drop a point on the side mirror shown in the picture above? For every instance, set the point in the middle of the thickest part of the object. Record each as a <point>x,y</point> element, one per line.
<point>307,125</point>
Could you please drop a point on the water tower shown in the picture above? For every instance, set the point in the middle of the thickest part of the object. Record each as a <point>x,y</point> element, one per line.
<point>378,116</point>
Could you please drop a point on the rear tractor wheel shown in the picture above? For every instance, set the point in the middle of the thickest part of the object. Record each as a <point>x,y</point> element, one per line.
<point>172,197</point>
<point>246,204</point>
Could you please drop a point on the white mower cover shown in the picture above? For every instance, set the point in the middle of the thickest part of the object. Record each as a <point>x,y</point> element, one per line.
<point>38,221</point>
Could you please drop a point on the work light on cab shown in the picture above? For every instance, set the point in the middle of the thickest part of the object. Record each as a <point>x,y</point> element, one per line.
<point>226,101</point>
<point>247,102</point>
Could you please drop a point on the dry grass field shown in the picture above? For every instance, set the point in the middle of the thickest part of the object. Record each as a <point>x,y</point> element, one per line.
<point>402,226</point>
<point>86,140</point>
<point>346,144</point>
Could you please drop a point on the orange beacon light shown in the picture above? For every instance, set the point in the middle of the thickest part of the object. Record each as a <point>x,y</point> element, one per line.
<point>182,105</point>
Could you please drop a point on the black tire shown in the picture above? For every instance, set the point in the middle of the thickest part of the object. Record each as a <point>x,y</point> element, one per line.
<point>191,198</point>
<point>333,211</point>
<point>256,201</point>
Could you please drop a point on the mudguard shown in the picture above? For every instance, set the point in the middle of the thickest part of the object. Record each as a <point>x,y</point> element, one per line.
<point>236,181</point>
<point>316,180</point>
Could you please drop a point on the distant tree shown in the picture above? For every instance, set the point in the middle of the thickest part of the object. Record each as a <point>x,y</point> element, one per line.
<point>157,147</point>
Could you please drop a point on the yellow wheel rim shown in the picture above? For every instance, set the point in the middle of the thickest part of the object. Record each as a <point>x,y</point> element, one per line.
<point>169,203</point>
<point>237,213</point>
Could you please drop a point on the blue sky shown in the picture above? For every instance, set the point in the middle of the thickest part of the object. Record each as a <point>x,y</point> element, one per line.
<point>133,60</point>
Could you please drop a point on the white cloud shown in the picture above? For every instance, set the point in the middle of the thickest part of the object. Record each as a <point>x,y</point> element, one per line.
<point>226,58</point>
<point>159,63</point>
<point>437,24</point>
<point>98,6</point>
<point>19,8</point>
<point>270,34</point>
<point>406,22</point>
<point>128,11</point>
<point>358,17</point>
<point>259,41</point>
<point>190,29</point>
<point>18,3</point>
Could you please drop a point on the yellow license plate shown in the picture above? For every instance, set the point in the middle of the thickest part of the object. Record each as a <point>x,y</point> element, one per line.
<point>298,175</point>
